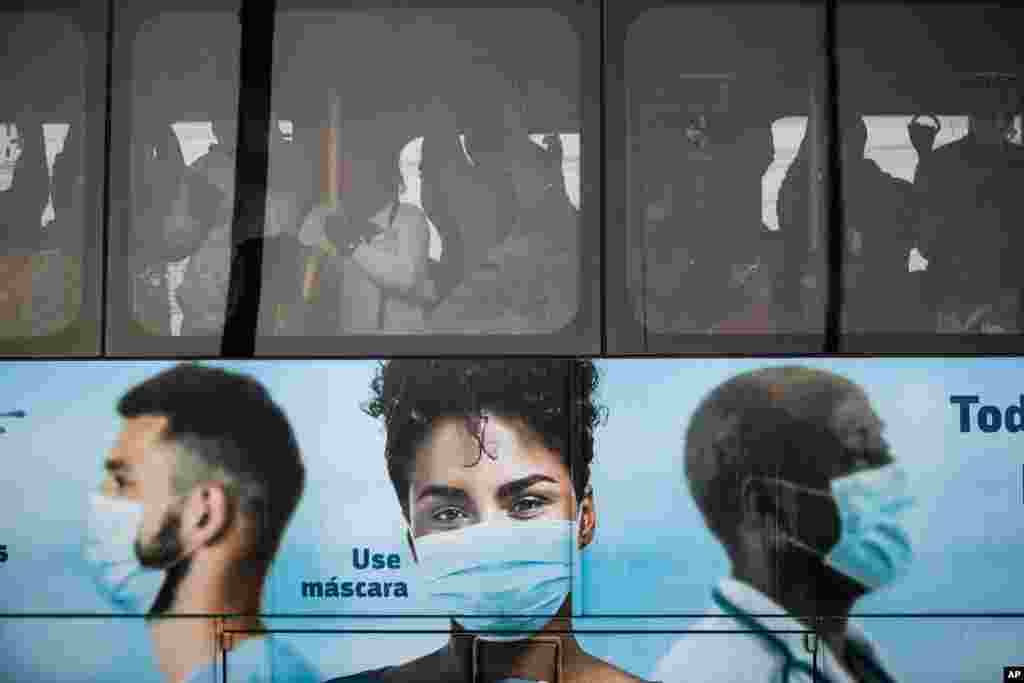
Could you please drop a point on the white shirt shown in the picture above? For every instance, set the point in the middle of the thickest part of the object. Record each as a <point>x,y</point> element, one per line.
<point>776,655</point>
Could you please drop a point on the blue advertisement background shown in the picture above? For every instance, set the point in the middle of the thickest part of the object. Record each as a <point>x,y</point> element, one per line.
<point>651,555</point>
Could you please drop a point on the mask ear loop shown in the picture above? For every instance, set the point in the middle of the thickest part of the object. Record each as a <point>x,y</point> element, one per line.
<point>789,538</point>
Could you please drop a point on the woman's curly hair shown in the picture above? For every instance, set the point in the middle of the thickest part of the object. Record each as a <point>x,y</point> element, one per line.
<point>553,397</point>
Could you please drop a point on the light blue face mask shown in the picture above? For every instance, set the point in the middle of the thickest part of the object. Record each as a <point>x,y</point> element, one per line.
<point>110,553</point>
<point>518,574</point>
<point>874,547</point>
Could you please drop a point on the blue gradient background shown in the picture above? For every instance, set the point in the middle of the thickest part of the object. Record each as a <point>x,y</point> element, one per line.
<point>652,554</point>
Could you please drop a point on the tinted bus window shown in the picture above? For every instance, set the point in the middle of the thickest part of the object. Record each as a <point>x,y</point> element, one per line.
<point>48,193</point>
<point>931,165</point>
<point>717,148</point>
<point>172,186</point>
<point>442,192</point>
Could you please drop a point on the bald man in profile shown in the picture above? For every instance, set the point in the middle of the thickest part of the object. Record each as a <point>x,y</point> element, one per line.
<point>781,462</point>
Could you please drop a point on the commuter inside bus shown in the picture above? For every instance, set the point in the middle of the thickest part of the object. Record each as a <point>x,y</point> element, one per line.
<point>529,280</point>
<point>23,201</point>
<point>971,207</point>
<point>878,231</point>
<point>202,294</point>
<point>381,244</point>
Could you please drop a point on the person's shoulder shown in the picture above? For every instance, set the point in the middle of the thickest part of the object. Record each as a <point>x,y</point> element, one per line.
<point>410,214</point>
<point>600,671</point>
<point>369,676</point>
<point>289,662</point>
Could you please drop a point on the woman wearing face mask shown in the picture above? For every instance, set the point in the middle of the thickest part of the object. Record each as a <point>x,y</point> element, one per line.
<point>789,467</point>
<point>497,505</point>
<point>379,245</point>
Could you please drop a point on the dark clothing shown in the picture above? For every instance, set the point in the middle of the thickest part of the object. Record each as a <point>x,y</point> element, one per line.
<point>877,212</point>
<point>22,204</point>
<point>529,282</point>
<point>971,212</point>
<point>878,231</point>
<point>378,675</point>
<point>435,153</point>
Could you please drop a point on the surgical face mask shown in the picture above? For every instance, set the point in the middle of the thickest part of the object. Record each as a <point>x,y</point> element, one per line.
<point>874,547</point>
<point>110,553</point>
<point>518,574</point>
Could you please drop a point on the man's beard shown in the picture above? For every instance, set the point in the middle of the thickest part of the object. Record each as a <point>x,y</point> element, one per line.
<point>166,546</point>
<point>164,552</point>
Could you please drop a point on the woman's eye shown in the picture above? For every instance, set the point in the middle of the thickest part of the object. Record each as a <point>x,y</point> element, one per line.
<point>528,505</point>
<point>447,515</point>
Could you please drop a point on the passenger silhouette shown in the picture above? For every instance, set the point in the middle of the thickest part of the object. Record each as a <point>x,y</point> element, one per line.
<point>21,233</point>
<point>971,210</point>
<point>22,204</point>
<point>878,232</point>
<point>705,224</point>
<point>441,159</point>
<point>67,193</point>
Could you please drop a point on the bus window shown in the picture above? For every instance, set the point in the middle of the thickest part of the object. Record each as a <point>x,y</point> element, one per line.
<point>42,178</point>
<point>931,201</point>
<point>175,168</point>
<point>439,208</point>
<point>711,137</point>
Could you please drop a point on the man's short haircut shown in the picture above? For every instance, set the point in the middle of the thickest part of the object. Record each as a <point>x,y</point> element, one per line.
<point>554,398</point>
<point>772,422</point>
<point>228,429</point>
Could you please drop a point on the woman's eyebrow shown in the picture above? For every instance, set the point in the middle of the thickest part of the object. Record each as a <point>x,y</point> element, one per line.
<point>115,466</point>
<point>441,491</point>
<point>517,486</point>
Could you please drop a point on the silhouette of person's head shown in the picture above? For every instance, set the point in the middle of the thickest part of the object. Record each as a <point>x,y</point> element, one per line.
<point>993,103</point>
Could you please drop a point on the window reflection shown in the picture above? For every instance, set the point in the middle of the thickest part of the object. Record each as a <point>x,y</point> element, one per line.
<point>42,175</point>
<point>481,236</point>
<point>715,115</point>
<point>175,246</point>
<point>439,196</point>
<point>942,109</point>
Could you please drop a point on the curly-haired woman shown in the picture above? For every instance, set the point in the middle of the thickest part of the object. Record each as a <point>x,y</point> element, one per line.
<point>490,460</point>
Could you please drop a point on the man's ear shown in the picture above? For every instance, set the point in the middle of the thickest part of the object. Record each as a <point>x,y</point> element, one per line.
<point>206,517</point>
<point>759,505</point>
<point>768,508</point>
<point>588,520</point>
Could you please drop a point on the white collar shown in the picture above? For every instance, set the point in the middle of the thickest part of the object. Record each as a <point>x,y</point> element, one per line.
<point>753,606</point>
<point>763,612</point>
